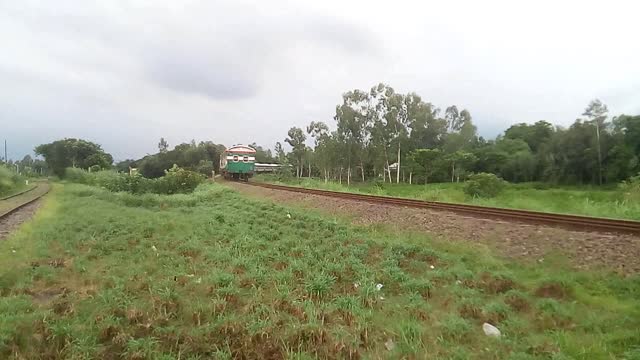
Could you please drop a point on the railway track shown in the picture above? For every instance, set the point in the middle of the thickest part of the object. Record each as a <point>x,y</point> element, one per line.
<point>573,222</point>
<point>14,203</point>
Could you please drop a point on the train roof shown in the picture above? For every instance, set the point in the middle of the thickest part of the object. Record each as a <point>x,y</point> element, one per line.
<point>240,149</point>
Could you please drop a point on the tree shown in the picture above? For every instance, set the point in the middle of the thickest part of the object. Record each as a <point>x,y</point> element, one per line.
<point>65,153</point>
<point>319,131</point>
<point>203,157</point>
<point>352,120</point>
<point>296,139</point>
<point>464,137</point>
<point>262,155</point>
<point>459,161</point>
<point>535,135</point>
<point>163,146</point>
<point>596,113</point>
<point>452,117</point>
<point>426,159</point>
<point>281,155</point>
<point>625,153</point>
<point>427,130</point>
<point>381,126</point>
<point>124,165</point>
<point>398,120</point>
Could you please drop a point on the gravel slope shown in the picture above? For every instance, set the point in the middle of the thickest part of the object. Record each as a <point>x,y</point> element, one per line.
<point>617,252</point>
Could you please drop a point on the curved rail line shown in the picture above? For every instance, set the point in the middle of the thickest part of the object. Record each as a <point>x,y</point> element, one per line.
<point>574,222</point>
<point>20,193</point>
<point>29,201</point>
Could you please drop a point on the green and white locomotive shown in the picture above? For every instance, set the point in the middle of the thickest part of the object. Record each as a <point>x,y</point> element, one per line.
<point>238,162</point>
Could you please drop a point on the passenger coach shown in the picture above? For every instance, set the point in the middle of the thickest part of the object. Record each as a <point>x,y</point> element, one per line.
<point>238,162</point>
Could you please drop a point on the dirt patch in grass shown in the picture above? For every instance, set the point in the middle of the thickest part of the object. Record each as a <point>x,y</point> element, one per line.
<point>617,252</point>
<point>554,290</point>
<point>46,296</point>
<point>518,303</point>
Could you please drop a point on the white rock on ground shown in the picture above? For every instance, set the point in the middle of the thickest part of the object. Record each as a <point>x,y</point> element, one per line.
<point>490,330</point>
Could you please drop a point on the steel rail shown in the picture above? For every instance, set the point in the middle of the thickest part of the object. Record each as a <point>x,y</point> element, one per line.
<point>574,222</point>
<point>20,206</point>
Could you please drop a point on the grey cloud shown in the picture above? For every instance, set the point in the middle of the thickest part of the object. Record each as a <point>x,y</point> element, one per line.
<point>216,49</point>
<point>113,70</point>
<point>189,72</point>
<point>345,36</point>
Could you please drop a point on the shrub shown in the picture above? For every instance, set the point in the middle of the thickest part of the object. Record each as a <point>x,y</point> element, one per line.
<point>484,185</point>
<point>8,180</point>
<point>177,180</point>
<point>631,188</point>
<point>284,173</point>
<point>79,176</point>
<point>378,183</point>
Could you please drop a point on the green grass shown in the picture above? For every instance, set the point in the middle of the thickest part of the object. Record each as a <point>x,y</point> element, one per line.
<point>216,275</point>
<point>580,200</point>
<point>17,188</point>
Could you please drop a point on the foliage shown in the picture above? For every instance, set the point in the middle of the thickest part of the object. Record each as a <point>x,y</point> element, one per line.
<point>100,274</point>
<point>381,129</point>
<point>484,185</point>
<point>28,166</point>
<point>203,157</point>
<point>10,181</point>
<point>631,188</point>
<point>296,139</point>
<point>427,160</point>
<point>176,180</point>
<point>263,155</point>
<point>65,153</point>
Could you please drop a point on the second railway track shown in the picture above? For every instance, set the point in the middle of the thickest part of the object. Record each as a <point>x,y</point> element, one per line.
<point>11,205</point>
<point>574,222</point>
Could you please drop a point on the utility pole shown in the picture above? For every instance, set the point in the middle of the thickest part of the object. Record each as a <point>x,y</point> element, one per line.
<point>5,151</point>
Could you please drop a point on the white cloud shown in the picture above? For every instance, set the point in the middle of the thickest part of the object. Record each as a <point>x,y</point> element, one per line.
<point>124,73</point>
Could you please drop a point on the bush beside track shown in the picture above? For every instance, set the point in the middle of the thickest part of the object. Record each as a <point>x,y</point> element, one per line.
<point>175,181</point>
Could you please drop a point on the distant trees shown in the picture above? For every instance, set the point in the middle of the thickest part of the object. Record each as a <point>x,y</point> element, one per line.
<point>163,146</point>
<point>79,153</point>
<point>200,157</point>
<point>263,155</point>
<point>427,159</point>
<point>380,130</point>
<point>296,139</point>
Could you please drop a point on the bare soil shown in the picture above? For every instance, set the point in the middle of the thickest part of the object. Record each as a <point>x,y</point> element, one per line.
<point>11,222</point>
<point>585,250</point>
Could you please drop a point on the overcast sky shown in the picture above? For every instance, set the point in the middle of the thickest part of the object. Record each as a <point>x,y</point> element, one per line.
<point>125,73</point>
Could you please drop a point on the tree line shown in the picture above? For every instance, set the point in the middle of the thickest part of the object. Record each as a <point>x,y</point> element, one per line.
<point>396,137</point>
<point>28,166</point>
<point>202,157</point>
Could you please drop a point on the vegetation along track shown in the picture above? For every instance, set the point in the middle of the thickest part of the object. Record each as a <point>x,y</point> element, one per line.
<point>12,204</point>
<point>574,222</point>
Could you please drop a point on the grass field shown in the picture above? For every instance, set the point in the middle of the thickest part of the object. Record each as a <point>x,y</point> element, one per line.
<point>215,275</point>
<point>580,200</point>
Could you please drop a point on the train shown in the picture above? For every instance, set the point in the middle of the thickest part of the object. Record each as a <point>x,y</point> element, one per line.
<point>238,163</point>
